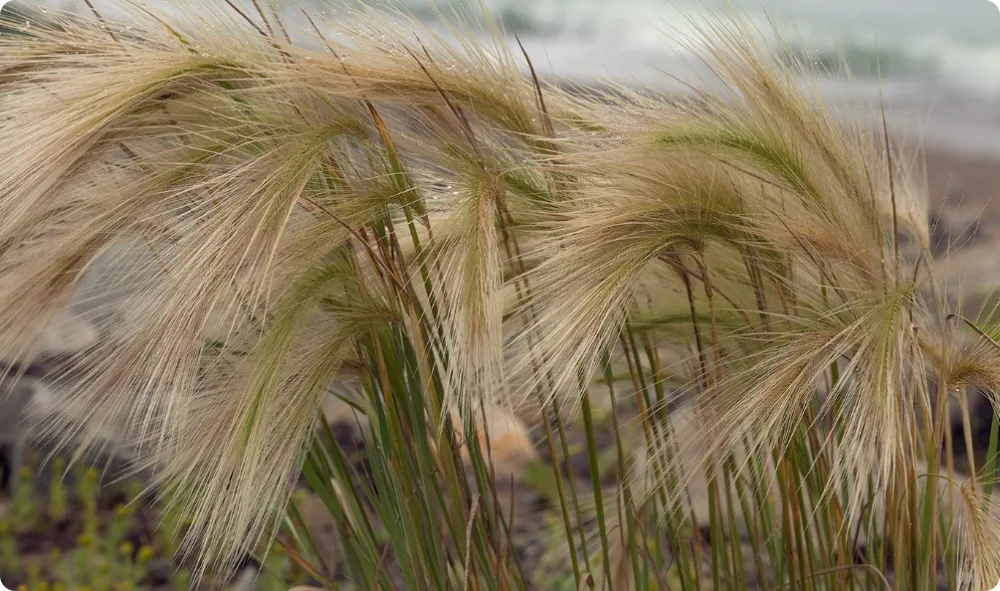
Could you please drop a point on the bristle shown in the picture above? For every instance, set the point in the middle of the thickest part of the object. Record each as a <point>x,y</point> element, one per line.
<point>267,207</point>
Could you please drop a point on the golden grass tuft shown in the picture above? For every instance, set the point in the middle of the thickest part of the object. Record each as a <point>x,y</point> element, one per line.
<point>297,214</point>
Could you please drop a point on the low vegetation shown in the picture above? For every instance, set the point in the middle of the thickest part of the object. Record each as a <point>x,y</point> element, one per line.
<point>65,530</point>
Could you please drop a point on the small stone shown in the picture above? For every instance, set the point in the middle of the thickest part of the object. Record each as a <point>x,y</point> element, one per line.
<point>159,569</point>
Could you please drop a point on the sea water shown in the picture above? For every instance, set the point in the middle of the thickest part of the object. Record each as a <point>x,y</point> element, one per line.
<point>933,64</point>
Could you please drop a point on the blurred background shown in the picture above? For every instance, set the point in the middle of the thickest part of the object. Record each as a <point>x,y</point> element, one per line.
<point>937,58</point>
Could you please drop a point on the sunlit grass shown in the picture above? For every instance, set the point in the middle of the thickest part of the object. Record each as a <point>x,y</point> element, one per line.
<point>418,217</point>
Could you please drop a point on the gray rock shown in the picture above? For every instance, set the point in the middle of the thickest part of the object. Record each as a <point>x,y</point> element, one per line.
<point>19,399</point>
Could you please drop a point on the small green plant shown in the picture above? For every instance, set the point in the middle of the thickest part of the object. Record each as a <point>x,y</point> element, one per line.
<point>89,537</point>
<point>72,539</point>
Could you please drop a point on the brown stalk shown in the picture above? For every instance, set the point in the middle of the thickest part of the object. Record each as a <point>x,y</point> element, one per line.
<point>104,24</point>
<point>246,17</point>
<point>463,121</point>
<point>300,561</point>
<point>892,185</point>
<point>468,542</point>
<point>374,258</point>
<point>709,295</point>
<point>263,17</point>
<point>681,270</point>
<point>281,25</point>
<point>546,119</point>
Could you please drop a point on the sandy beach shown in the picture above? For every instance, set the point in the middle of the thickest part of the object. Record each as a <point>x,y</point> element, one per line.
<point>964,204</point>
